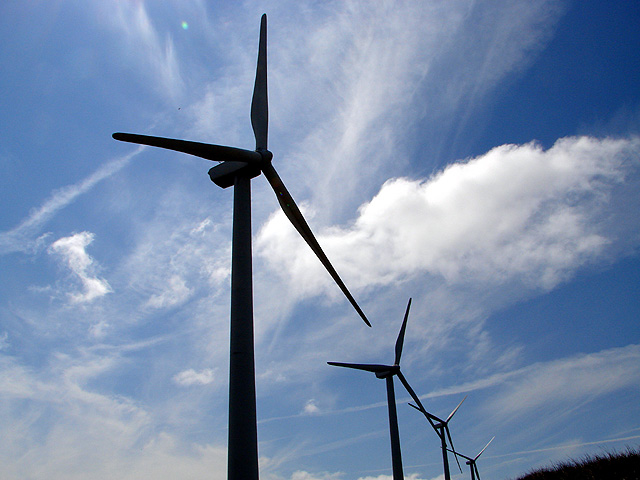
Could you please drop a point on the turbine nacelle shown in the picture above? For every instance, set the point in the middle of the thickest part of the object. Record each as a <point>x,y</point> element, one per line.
<point>224,175</point>
<point>393,370</point>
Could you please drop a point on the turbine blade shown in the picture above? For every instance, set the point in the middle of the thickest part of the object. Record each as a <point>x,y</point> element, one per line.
<point>400,340</point>
<point>459,454</point>
<point>259,102</point>
<point>430,417</point>
<point>455,410</point>
<point>410,391</point>
<point>485,447</point>
<point>416,399</point>
<point>475,467</point>
<point>294,215</point>
<point>203,150</point>
<point>446,427</point>
<point>369,367</point>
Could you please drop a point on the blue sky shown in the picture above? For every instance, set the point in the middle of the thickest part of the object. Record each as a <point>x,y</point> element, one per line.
<point>481,157</point>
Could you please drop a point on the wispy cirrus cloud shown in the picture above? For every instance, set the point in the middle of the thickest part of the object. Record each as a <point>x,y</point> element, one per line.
<point>150,50</point>
<point>569,379</point>
<point>66,426</point>
<point>540,384</point>
<point>365,72</point>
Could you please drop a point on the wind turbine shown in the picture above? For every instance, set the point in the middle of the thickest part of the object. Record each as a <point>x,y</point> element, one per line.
<point>237,169</point>
<point>387,372</point>
<point>472,461</point>
<point>442,430</point>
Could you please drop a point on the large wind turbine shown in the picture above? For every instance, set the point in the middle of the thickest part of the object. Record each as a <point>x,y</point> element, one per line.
<point>472,461</point>
<point>442,429</point>
<point>387,372</point>
<point>237,169</point>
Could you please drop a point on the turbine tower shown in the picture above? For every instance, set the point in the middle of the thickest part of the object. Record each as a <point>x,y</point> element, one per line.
<point>237,169</point>
<point>442,430</point>
<point>387,372</point>
<point>475,475</point>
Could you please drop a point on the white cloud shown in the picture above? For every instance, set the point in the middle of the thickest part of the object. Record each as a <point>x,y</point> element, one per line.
<point>310,407</point>
<point>515,214</point>
<point>412,476</point>
<point>302,475</point>
<point>72,251</point>
<point>190,377</point>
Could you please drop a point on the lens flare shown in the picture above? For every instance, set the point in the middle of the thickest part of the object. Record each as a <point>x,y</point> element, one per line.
<point>185,25</point>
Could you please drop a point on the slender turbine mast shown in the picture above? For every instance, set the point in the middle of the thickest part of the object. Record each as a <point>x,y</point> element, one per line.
<point>475,474</point>
<point>442,430</point>
<point>237,169</point>
<point>387,372</point>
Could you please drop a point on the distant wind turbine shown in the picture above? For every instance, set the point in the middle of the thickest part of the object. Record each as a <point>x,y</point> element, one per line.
<point>472,461</point>
<point>387,372</point>
<point>442,429</point>
<point>237,169</point>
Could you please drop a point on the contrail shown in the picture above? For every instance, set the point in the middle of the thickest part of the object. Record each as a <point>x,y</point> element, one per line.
<point>19,239</point>
<point>564,447</point>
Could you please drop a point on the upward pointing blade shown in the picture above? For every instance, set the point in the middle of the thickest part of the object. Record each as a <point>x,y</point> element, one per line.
<point>294,215</point>
<point>400,341</point>
<point>259,103</point>
<point>485,447</point>
<point>455,410</point>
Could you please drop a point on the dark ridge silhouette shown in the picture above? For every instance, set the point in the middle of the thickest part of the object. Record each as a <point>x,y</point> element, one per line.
<point>606,466</point>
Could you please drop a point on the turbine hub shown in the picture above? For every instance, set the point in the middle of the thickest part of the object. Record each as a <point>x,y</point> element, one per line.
<point>266,154</point>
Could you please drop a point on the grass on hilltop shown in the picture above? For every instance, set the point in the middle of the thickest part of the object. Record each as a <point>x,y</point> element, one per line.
<point>607,466</point>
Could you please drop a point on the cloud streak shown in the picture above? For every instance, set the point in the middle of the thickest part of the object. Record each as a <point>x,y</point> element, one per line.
<point>569,380</point>
<point>20,238</point>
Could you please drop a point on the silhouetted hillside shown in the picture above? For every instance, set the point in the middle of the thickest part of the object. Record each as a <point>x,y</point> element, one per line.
<point>610,466</point>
